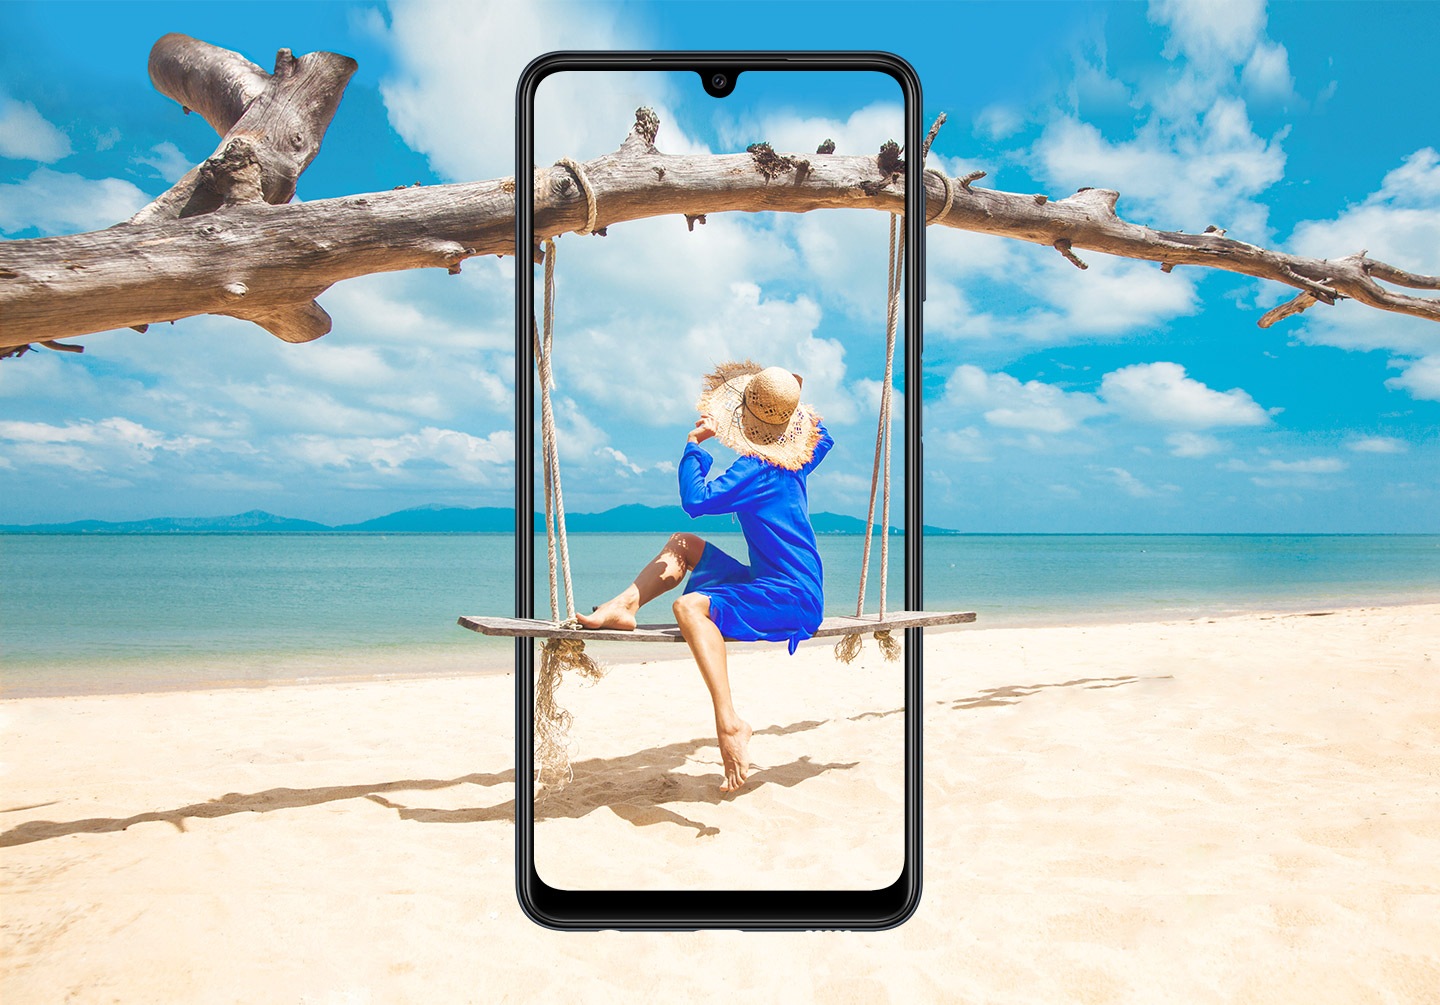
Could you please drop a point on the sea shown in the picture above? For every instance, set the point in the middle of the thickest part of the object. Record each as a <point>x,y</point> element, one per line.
<point>91,613</point>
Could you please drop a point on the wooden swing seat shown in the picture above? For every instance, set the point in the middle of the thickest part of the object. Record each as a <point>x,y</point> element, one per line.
<point>529,628</point>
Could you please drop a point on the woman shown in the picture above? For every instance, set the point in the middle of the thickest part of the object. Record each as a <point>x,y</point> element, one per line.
<point>779,595</point>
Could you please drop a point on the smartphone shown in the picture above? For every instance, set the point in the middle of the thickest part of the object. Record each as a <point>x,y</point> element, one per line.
<point>716,277</point>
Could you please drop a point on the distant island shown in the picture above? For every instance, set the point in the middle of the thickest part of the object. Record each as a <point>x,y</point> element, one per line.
<point>441,520</point>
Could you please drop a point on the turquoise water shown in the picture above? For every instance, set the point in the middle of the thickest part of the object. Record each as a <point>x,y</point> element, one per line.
<point>105,613</point>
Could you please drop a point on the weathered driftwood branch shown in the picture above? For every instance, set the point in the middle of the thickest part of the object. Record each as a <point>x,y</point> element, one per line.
<point>1063,245</point>
<point>20,350</point>
<point>267,263</point>
<point>271,125</point>
<point>271,128</point>
<point>249,259</point>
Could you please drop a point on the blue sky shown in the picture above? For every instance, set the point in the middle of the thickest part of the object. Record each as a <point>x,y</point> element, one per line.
<point>1120,398</point>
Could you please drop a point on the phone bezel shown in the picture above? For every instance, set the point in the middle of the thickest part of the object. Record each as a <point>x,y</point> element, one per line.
<point>694,909</point>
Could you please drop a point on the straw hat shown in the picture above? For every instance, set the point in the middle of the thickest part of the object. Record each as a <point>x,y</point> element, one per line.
<point>757,411</point>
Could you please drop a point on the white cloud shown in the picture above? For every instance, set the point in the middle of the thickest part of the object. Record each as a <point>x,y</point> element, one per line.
<point>580,117</point>
<point>1416,182</point>
<point>43,375</point>
<point>625,464</point>
<point>409,350</point>
<point>1194,159</point>
<point>1305,473</point>
<point>1046,299</point>
<point>466,315</point>
<point>26,135</point>
<point>1188,444</point>
<point>293,407</point>
<point>643,313</point>
<point>356,366</point>
<point>1095,91</point>
<point>843,253</point>
<point>1421,378</point>
<point>965,444</point>
<point>451,94</point>
<point>474,459</point>
<point>577,438</point>
<point>950,313</point>
<point>1307,466</point>
<point>91,446</point>
<point>1033,405</point>
<point>1210,32</point>
<point>1133,486</point>
<point>1174,176</point>
<point>167,160</point>
<point>1267,73</point>
<point>1112,297</point>
<point>998,122</point>
<point>1378,445</point>
<point>1399,224</point>
<point>866,393</point>
<point>861,133</point>
<point>55,202</point>
<point>1160,392</point>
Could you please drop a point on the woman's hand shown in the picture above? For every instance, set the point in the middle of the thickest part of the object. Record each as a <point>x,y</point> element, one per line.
<point>704,428</point>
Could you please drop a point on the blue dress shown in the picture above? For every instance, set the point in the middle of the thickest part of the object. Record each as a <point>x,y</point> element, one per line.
<point>779,596</point>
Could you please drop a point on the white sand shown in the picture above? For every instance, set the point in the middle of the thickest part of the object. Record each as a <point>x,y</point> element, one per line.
<point>1238,810</point>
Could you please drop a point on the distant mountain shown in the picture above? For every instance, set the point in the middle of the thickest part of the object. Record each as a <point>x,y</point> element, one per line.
<point>834,523</point>
<point>255,521</point>
<point>631,518</point>
<point>635,518</point>
<point>441,519</point>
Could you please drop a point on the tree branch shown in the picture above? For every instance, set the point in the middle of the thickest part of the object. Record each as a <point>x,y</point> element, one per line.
<point>275,121</point>
<point>271,128</point>
<point>266,263</point>
<point>1088,220</point>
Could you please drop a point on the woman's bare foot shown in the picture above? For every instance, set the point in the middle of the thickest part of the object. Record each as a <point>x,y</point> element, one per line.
<point>617,614</point>
<point>735,752</point>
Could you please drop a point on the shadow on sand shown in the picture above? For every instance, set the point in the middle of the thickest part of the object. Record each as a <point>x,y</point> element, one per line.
<point>1011,694</point>
<point>632,786</point>
<point>639,788</point>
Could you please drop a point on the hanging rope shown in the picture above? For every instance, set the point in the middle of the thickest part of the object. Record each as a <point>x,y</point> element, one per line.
<point>889,645</point>
<point>552,722</point>
<point>849,646</point>
<point>550,448</point>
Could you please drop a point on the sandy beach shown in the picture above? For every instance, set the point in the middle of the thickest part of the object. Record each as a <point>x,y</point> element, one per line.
<point>1238,809</point>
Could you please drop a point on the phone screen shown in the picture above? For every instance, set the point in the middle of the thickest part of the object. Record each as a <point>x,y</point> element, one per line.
<point>708,370</point>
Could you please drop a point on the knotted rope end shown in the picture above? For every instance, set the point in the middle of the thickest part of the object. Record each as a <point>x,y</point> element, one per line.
<point>552,722</point>
<point>849,647</point>
<point>889,645</point>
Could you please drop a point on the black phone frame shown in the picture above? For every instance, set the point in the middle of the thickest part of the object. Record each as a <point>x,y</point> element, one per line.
<point>670,910</point>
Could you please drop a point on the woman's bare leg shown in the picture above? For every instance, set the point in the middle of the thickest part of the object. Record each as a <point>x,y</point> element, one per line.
<point>707,645</point>
<point>664,572</point>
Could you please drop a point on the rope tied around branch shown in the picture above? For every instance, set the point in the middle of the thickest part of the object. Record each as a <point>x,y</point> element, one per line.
<point>949,195</point>
<point>944,178</point>
<point>583,180</point>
